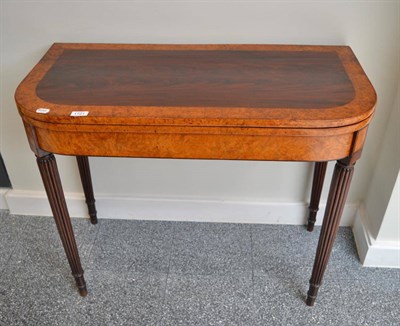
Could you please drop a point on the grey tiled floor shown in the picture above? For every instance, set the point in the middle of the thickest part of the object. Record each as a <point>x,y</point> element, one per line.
<point>176,273</point>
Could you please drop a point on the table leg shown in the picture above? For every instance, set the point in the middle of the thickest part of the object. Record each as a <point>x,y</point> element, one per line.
<point>52,183</point>
<point>318,181</point>
<point>337,197</point>
<point>84,171</point>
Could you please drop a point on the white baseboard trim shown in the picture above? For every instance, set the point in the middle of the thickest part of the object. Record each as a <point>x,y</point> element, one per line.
<point>3,202</point>
<point>22,202</point>
<point>27,202</point>
<point>374,253</point>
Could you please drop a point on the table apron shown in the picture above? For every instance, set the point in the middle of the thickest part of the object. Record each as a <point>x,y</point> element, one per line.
<point>271,147</point>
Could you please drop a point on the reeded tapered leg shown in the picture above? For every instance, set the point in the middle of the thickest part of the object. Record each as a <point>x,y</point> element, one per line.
<point>337,197</point>
<point>84,171</point>
<point>318,181</point>
<point>52,183</point>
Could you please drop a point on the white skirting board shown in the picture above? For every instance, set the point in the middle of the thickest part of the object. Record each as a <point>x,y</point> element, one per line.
<point>374,253</point>
<point>174,209</point>
<point>3,202</point>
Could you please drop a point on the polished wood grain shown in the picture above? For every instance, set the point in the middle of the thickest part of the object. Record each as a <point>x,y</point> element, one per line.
<point>318,182</point>
<point>289,82</point>
<point>230,143</point>
<point>268,102</point>
<point>86,179</point>
<point>236,102</point>
<point>52,184</point>
<point>196,78</point>
<point>336,199</point>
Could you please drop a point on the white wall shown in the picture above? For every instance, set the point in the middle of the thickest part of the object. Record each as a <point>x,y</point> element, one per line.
<point>380,189</point>
<point>377,226</point>
<point>390,227</point>
<point>28,28</point>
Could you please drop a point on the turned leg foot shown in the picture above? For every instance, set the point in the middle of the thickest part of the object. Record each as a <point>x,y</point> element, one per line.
<point>84,171</point>
<point>312,294</point>
<point>318,181</point>
<point>81,284</point>
<point>52,184</point>
<point>337,197</point>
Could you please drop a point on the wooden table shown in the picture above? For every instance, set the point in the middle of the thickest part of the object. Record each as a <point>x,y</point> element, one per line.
<point>225,102</point>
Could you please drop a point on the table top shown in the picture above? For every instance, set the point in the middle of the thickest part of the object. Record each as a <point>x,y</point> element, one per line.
<point>198,85</point>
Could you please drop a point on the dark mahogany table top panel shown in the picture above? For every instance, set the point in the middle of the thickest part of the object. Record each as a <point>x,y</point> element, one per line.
<point>203,85</point>
<point>183,78</point>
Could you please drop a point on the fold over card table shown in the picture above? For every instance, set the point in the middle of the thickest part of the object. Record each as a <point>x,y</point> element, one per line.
<point>223,102</point>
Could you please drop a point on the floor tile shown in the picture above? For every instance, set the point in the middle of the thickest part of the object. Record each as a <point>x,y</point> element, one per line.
<point>137,246</point>
<point>372,303</point>
<point>122,299</point>
<point>208,300</point>
<point>182,273</point>
<point>292,240</point>
<point>132,229</point>
<point>282,302</point>
<point>213,236</point>
<point>34,295</point>
<point>40,239</point>
<point>282,248</point>
<point>208,249</point>
<point>11,228</point>
<point>189,260</point>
